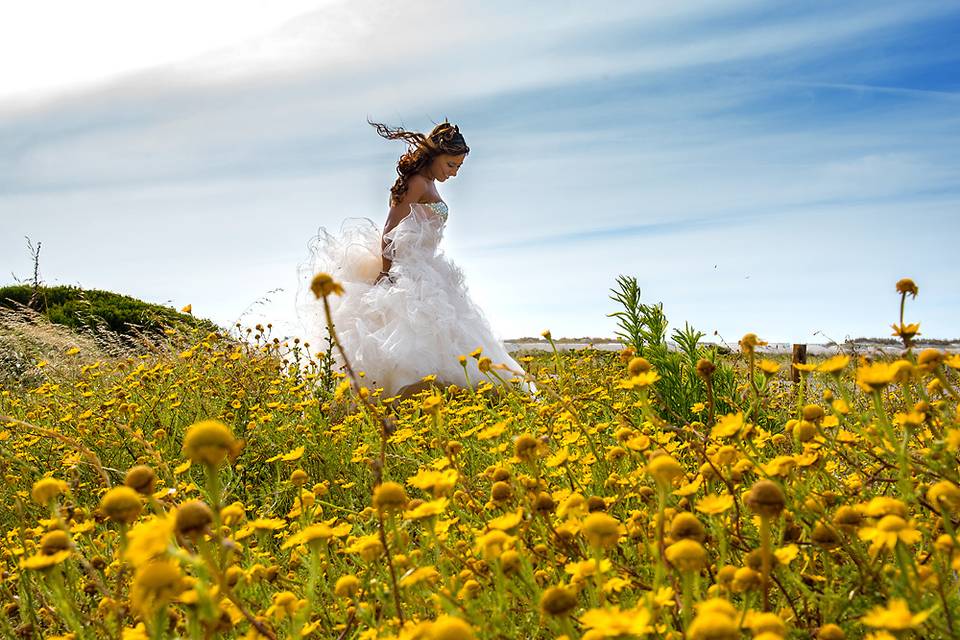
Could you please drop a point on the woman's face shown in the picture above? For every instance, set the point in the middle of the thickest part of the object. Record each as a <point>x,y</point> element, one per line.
<point>445,166</point>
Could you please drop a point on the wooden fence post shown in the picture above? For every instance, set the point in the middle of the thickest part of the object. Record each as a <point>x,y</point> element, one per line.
<point>799,357</point>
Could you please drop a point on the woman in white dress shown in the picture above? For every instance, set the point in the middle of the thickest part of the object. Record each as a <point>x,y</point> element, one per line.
<point>405,313</point>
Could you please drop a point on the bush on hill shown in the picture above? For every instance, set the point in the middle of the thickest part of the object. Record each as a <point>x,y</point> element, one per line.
<point>92,308</point>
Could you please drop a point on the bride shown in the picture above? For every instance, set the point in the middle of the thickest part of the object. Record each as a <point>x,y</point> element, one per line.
<point>405,317</point>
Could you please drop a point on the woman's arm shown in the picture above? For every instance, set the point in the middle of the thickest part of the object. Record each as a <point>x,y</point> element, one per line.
<point>416,188</point>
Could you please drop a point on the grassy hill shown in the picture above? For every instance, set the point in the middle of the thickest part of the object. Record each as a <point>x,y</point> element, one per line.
<point>79,308</point>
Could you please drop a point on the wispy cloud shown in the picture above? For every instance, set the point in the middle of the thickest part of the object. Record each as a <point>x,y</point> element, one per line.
<point>648,127</point>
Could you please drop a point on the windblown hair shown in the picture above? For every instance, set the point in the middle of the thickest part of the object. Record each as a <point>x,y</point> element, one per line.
<point>421,150</point>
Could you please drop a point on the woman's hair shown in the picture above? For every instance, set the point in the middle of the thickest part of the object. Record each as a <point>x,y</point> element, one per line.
<point>421,150</point>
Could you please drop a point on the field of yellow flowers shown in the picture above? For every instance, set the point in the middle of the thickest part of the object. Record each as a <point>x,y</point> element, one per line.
<point>213,487</point>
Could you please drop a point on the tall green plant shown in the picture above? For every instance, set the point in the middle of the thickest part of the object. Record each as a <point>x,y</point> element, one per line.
<point>644,327</point>
<point>630,320</point>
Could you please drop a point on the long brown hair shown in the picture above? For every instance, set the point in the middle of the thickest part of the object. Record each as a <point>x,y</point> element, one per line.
<point>421,150</point>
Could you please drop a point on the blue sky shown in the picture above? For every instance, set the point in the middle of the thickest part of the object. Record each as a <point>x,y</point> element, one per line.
<point>758,167</point>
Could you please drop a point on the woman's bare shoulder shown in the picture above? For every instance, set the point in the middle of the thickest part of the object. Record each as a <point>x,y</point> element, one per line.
<point>421,190</point>
<point>417,188</point>
<point>418,181</point>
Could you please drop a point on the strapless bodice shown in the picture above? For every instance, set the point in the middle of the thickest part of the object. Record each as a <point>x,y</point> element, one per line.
<point>440,208</point>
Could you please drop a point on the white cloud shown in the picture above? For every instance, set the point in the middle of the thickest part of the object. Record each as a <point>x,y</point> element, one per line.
<point>47,46</point>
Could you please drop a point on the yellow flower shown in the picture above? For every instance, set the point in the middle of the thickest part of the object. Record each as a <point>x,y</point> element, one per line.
<point>347,586</point>
<point>907,286</point>
<point>54,541</point>
<point>389,497</point>
<point>323,285</point>
<point>906,330</point>
<point>787,554</point>
<point>705,368</point>
<point>875,376</point>
<point>663,469</point>
<point>432,403</point>
<point>148,540</point>
<point>687,555</point>
<point>896,616</point>
<point>713,624</point>
<point>314,533</point>
<point>290,456</point>
<point>43,561</point>
<point>728,425</point>
<point>232,513</point>
<point>138,632</point>
<point>493,543</point>
<point>638,365</point>
<point>716,605</point>
<point>209,442</point>
<point>881,506</point>
<point>765,498</point>
<point>945,495</point>
<point>268,524</point>
<point>46,489</point>
<point>438,483</point>
<point>574,505</point>
<point>192,519</point>
<point>525,447</point>
<point>834,365</point>
<point>612,622</point>
<point>690,488</point>
<point>715,504</point>
<point>888,531</point>
<point>285,604</point>
<point>367,547</point>
<point>749,342</point>
<point>155,584</point>
<point>760,623</point>
<point>768,367</point>
<point>641,380</point>
<point>299,477</point>
<point>584,569</point>
<point>421,574</point>
<point>492,431</point>
<point>831,631</point>
<point>601,530</point>
<point>426,509</point>
<point>121,504</point>
<point>930,359</point>
<point>141,478</point>
<point>451,628</point>
<point>664,597</point>
<point>557,601</point>
<point>507,521</point>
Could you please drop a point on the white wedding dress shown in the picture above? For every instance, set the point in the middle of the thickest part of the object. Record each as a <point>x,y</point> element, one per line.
<point>417,325</point>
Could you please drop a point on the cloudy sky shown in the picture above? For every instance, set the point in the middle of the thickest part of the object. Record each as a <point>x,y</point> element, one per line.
<point>767,167</point>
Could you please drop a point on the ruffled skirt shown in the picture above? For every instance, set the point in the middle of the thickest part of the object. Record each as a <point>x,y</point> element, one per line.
<point>415,324</point>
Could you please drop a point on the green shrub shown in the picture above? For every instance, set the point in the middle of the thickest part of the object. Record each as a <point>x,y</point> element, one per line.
<point>94,309</point>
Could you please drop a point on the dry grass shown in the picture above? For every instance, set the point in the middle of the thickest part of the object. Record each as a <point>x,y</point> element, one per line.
<point>28,337</point>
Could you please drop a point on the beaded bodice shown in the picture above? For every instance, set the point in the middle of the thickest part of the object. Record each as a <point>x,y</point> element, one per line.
<point>440,208</point>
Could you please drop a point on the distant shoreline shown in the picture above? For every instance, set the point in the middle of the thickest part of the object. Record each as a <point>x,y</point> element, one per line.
<point>863,345</point>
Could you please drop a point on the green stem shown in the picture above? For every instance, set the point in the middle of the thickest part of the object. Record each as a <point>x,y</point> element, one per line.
<point>765,553</point>
<point>686,579</point>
